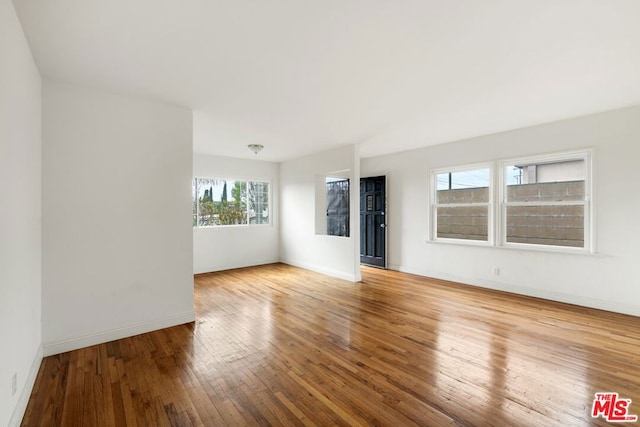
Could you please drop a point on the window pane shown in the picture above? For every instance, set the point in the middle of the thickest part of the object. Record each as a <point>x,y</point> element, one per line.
<point>258,202</point>
<point>221,202</point>
<point>337,207</point>
<point>233,203</point>
<point>464,222</point>
<point>554,181</point>
<point>206,209</point>
<point>194,200</point>
<point>470,186</point>
<point>546,225</point>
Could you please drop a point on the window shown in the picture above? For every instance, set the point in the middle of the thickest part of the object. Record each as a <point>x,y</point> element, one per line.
<point>462,205</point>
<point>337,207</point>
<point>545,200</point>
<point>220,202</point>
<point>258,202</point>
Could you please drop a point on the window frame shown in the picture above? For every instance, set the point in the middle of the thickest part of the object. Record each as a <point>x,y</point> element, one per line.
<point>497,213</point>
<point>434,205</point>
<point>330,180</point>
<point>246,181</point>
<point>585,155</point>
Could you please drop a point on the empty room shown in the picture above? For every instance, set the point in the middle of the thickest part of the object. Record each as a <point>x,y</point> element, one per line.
<point>319,213</point>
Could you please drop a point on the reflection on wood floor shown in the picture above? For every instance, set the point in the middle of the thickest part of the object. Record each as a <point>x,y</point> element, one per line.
<point>277,345</point>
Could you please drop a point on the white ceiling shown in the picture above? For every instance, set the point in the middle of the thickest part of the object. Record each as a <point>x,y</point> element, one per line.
<point>300,76</point>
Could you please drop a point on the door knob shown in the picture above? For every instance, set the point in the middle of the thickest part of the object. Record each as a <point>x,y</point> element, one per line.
<point>383,225</point>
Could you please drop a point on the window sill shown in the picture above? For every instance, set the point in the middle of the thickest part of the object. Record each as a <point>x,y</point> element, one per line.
<point>517,247</point>
<point>461,242</point>
<point>234,226</point>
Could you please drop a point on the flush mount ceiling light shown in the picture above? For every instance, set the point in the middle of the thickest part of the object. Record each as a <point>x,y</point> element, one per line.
<point>256,148</point>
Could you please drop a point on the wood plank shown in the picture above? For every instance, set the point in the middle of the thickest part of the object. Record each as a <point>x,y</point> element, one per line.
<point>278,345</point>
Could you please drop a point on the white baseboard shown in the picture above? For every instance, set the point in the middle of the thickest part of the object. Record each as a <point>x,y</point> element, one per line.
<point>596,303</point>
<point>213,269</point>
<point>25,394</point>
<point>323,270</point>
<point>56,347</point>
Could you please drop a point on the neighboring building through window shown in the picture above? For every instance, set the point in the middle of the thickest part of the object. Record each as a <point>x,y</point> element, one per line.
<point>462,204</point>
<point>220,202</point>
<point>543,201</point>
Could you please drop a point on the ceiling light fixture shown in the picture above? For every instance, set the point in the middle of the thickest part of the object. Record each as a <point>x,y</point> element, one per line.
<point>256,148</point>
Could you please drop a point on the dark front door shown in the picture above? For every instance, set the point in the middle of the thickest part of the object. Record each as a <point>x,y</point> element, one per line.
<point>373,221</point>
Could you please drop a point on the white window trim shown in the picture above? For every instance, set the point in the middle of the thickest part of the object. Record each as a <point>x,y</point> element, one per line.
<point>497,204</point>
<point>586,155</point>
<point>433,230</point>
<point>243,179</point>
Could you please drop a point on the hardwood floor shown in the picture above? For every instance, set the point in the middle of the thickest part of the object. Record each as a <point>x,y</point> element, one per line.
<point>277,345</point>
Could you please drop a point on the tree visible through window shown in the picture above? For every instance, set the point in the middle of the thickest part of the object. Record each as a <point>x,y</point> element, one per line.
<point>219,202</point>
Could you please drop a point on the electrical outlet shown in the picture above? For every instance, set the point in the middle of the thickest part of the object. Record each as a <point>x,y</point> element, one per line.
<point>496,271</point>
<point>14,383</point>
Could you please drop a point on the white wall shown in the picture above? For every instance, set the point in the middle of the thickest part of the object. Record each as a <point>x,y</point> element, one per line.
<point>607,280</point>
<point>299,244</point>
<point>117,239</point>
<point>222,248</point>
<point>20,217</point>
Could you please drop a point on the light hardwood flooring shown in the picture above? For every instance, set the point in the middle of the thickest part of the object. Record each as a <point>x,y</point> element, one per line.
<point>277,345</point>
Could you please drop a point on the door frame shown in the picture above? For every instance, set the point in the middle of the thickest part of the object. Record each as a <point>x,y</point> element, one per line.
<point>386,220</point>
